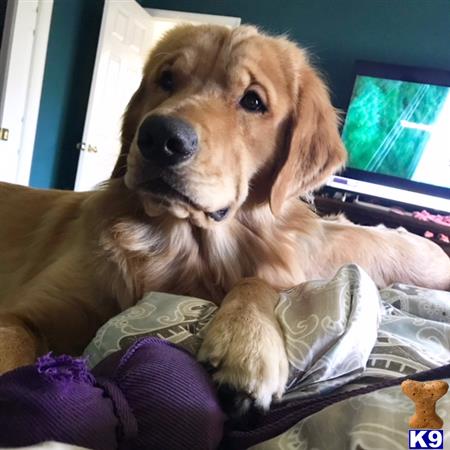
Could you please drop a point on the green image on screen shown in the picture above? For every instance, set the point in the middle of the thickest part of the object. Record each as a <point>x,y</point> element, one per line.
<point>389,128</point>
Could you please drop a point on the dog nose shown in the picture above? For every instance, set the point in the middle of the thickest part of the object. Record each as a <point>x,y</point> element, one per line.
<point>167,140</point>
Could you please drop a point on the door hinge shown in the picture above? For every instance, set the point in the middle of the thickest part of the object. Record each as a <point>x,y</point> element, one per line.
<point>83,146</point>
<point>4,134</point>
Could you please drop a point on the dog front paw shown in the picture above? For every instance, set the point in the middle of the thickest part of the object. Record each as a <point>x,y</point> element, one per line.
<point>246,350</point>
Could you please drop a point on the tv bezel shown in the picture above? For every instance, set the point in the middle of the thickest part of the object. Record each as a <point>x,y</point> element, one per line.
<point>413,74</point>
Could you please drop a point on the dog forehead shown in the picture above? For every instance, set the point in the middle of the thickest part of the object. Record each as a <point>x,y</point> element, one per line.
<point>190,42</point>
<point>212,47</point>
<point>205,38</point>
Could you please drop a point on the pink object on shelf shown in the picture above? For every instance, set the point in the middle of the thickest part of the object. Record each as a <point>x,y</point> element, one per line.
<point>440,237</point>
<point>428,217</point>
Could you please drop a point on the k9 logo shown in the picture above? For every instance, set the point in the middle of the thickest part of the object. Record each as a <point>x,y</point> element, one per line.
<point>426,439</point>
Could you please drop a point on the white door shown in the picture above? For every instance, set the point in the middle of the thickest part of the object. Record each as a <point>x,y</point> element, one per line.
<point>124,42</point>
<point>127,33</point>
<point>22,63</point>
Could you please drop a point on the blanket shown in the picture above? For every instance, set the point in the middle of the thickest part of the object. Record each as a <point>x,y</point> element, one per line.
<point>341,335</point>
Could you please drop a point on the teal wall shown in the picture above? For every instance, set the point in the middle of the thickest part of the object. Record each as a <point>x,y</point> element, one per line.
<point>2,17</point>
<point>72,46</point>
<point>337,32</point>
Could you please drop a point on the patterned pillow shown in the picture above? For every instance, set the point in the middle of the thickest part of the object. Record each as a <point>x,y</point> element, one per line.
<point>330,327</point>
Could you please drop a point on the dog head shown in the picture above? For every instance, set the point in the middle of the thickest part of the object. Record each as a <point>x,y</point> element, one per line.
<point>226,118</point>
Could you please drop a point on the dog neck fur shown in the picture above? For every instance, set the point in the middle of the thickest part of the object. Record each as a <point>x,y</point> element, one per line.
<point>158,253</point>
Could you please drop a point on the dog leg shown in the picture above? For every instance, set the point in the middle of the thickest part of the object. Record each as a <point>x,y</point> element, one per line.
<point>388,255</point>
<point>18,345</point>
<point>45,315</point>
<point>245,345</point>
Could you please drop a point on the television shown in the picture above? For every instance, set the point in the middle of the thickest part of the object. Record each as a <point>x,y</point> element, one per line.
<point>397,134</point>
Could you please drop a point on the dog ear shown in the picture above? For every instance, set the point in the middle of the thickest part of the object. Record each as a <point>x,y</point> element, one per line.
<point>315,148</point>
<point>130,121</point>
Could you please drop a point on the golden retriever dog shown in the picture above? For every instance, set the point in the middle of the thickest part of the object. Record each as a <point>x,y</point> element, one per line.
<point>226,131</point>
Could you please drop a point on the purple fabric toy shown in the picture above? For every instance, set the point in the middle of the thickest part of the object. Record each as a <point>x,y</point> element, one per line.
<point>151,396</point>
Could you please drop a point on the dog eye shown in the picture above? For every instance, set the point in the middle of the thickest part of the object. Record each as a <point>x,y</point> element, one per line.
<point>166,81</point>
<point>252,102</point>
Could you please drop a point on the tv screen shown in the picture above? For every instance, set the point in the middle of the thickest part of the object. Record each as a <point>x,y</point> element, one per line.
<point>397,134</point>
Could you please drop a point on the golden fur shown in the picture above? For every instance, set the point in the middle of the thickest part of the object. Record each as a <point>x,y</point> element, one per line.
<point>69,261</point>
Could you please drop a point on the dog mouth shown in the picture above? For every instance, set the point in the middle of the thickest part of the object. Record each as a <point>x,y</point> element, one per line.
<point>165,191</point>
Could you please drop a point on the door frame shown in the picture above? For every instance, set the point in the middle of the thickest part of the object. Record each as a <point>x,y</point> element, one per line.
<point>10,49</point>
<point>170,15</point>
